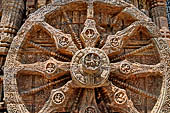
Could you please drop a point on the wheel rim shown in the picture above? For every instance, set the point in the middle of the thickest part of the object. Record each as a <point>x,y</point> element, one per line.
<point>63,42</point>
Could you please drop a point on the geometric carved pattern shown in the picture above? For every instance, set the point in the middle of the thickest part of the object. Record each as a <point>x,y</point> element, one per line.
<point>84,69</point>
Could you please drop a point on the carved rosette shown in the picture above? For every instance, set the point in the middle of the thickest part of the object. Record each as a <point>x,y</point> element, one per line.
<point>69,64</point>
<point>90,35</point>
<point>58,97</point>
<point>90,67</point>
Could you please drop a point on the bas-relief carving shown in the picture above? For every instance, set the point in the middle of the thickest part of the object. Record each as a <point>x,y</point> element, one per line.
<point>81,72</point>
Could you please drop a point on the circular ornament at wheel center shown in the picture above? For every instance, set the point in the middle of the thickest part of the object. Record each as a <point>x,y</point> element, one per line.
<point>90,67</point>
<point>91,62</point>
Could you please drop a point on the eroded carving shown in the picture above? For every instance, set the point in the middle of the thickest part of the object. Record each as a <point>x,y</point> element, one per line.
<point>86,71</point>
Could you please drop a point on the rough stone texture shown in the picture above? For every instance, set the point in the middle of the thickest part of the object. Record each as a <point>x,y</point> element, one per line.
<point>168,12</point>
<point>100,56</point>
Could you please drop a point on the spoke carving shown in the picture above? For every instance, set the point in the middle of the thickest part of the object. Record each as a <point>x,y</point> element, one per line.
<point>118,99</point>
<point>48,68</point>
<point>125,69</point>
<point>90,36</point>
<point>136,90</point>
<point>75,37</point>
<point>116,42</point>
<point>89,102</point>
<point>47,51</point>
<point>90,10</point>
<point>76,102</point>
<point>142,49</point>
<point>60,98</point>
<point>63,41</point>
<point>36,90</point>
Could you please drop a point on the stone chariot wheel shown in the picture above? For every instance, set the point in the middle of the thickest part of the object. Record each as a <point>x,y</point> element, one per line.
<point>81,56</point>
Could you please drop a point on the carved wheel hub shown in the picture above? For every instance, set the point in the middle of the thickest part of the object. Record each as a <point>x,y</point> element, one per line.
<point>90,67</point>
<point>88,57</point>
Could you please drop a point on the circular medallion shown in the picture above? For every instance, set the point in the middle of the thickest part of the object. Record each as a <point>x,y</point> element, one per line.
<point>50,68</point>
<point>89,33</point>
<point>163,44</point>
<point>120,97</point>
<point>90,67</point>
<point>58,97</point>
<point>114,42</point>
<point>125,68</point>
<point>63,41</point>
<point>91,61</point>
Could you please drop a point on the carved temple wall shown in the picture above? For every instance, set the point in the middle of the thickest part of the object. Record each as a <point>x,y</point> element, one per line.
<point>13,14</point>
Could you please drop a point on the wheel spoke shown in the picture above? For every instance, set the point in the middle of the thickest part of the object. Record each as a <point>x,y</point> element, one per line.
<point>38,89</point>
<point>118,98</point>
<point>126,69</point>
<point>76,102</point>
<point>75,38</point>
<point>48,68</point>
<point>90,36</point>
<point>63,41</point>
<point>89,102</point>
<point>60,98</point>
<point>142,49</point>
<point>115,43</point>
<point>90,9</point>
<point>136,90</point>
<point>48,51</point>
<point>58,75</point>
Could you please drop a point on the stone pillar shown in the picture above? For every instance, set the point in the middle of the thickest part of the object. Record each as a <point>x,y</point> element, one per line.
<point>159,16</point>
<point>158,13</point>
<point>11,20</point>
<point>168,12</point>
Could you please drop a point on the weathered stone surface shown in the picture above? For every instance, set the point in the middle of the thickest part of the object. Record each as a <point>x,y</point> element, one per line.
<point>81,56</point>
